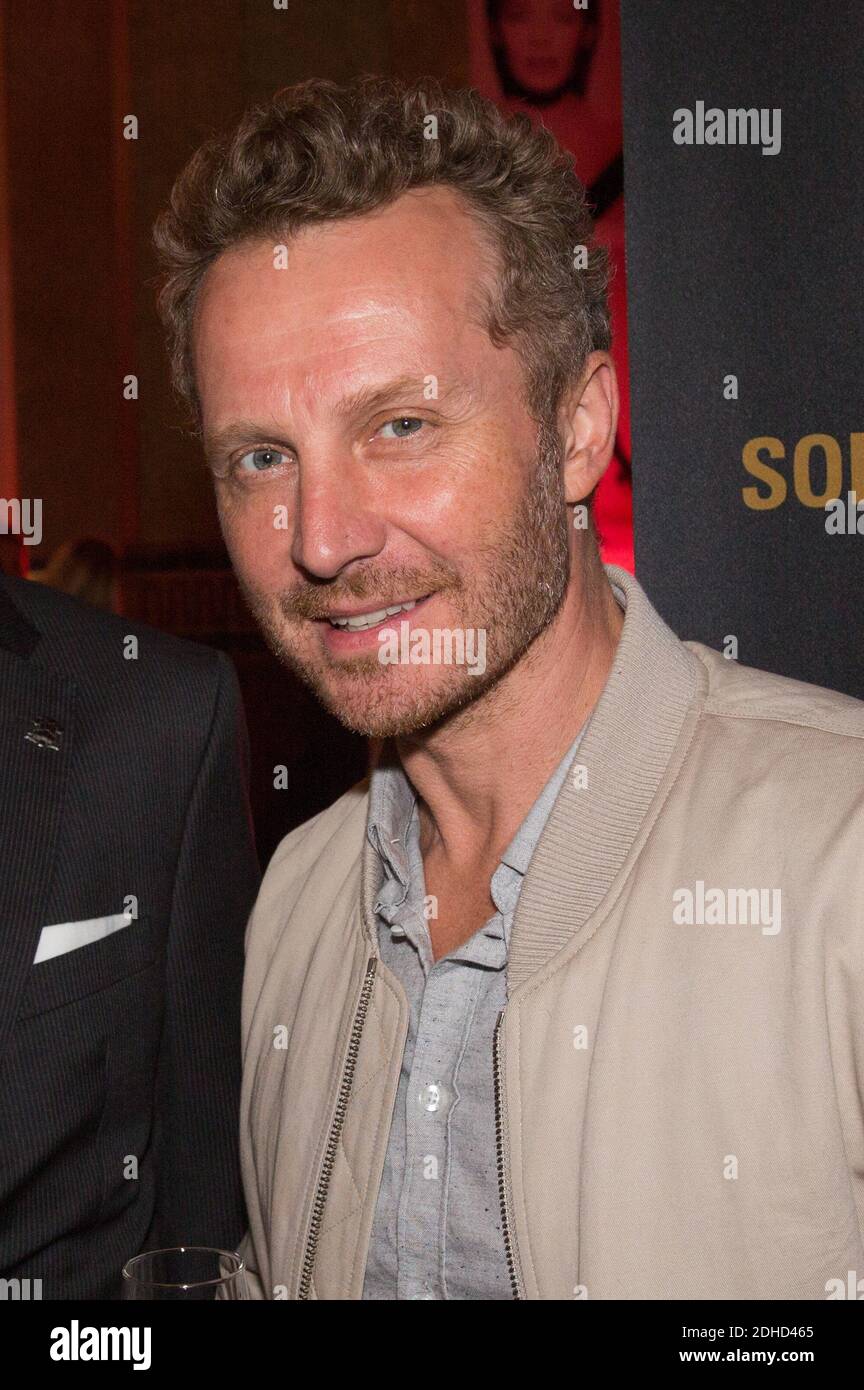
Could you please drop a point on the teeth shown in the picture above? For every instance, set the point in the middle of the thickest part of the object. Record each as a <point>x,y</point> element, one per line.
<point>367,620</point>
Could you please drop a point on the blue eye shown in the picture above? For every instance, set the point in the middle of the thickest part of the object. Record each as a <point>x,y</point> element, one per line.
<point>403,427</point>
<point>262,460</point>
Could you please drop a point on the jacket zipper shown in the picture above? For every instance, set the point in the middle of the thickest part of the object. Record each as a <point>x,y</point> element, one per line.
<point>330,1151</point>
<point>503,1191</point>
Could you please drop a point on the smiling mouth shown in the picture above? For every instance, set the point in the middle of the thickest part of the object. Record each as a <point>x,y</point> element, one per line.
<point>361,622</point>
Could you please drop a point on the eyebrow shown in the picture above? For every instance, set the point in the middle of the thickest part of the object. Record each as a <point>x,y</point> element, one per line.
<point>240,432</point>
<point>367,399</point>
<point>370,397</point>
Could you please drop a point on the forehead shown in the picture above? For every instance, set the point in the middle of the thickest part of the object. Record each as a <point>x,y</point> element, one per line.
<point>394,288</point>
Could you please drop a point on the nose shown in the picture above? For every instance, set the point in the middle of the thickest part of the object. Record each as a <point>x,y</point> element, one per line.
<point>336,521</point>
<point>538,37</point>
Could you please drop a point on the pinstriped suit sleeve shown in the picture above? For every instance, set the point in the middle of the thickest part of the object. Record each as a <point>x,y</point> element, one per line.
<point>198,1197</point>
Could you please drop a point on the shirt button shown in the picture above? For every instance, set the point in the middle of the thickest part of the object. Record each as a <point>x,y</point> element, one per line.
<point>431,1096</point>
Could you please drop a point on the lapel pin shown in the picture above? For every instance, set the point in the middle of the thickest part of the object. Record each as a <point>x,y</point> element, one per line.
<point>45,733</point>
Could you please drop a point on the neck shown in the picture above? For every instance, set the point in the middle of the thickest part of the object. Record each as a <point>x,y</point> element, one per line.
<point>478,774</point>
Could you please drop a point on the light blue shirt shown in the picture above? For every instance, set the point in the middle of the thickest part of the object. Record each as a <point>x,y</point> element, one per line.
<point>437,1226</point>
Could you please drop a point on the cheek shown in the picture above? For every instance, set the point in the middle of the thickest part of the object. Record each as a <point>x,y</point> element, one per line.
<point>469,499</point>
<point>515,44</point>
<point>568,40</point>
<point>260,550</point>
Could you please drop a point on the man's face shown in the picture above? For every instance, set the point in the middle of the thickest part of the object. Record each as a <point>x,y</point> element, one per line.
<point>371,448</point>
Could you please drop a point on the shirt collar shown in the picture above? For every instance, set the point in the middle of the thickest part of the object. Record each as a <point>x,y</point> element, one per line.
<point>392,800</point>
<point>393,820</point>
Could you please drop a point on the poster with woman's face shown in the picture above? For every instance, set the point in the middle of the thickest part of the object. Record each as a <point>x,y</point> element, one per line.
<point>559,62</point>
<point>542,49</point>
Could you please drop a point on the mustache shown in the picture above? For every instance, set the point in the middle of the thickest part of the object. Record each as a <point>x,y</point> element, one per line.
<point>316,601</point>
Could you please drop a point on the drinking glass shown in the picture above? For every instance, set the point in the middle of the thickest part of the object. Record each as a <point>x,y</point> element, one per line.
<point>185,1272</point>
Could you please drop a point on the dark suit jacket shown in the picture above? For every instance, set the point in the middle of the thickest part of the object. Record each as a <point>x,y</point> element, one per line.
<point>119,1060</point>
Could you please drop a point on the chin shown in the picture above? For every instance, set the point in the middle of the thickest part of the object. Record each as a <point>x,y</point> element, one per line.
<point>396,713</point>
<point>541,86</point>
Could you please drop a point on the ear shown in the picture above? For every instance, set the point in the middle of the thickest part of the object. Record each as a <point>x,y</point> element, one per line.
<point>588,420</point>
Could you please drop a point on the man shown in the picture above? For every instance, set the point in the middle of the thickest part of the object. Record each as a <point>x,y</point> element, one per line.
<point>500,1038</point>
<point>128,872</point>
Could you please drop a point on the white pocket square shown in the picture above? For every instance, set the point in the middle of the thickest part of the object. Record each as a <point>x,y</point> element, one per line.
<point>68,936</point>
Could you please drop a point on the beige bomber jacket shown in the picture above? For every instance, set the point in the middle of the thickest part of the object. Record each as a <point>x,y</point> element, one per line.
<point>679,1070</point>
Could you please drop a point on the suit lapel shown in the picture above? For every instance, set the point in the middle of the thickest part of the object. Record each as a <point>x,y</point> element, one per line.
<point>32,791</point>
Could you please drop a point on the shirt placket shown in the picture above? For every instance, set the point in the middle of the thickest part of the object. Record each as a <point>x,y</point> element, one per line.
<point>446,1011</point>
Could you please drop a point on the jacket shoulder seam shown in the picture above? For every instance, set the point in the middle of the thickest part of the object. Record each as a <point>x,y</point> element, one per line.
<point>816,725</point>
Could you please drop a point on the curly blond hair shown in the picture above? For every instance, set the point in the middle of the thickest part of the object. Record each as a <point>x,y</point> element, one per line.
<point>318,151</point>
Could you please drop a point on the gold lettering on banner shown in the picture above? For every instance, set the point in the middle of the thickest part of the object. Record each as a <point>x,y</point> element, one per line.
<point>802,465</point>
